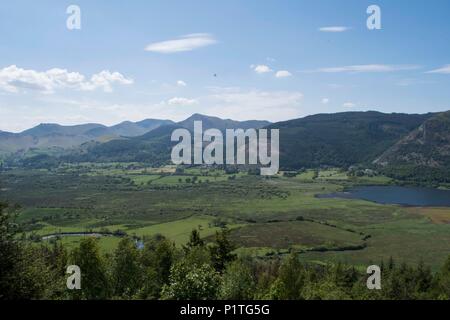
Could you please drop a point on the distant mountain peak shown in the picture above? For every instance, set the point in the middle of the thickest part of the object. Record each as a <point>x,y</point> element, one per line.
<point>210,122</point>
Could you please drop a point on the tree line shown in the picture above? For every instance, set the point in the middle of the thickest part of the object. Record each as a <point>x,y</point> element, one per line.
<point>197,271</point>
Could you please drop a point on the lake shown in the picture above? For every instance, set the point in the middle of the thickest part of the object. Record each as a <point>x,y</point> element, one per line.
<point>409,196</point>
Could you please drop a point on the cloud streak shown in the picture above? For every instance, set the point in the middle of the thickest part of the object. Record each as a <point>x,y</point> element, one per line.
<point>364,68</point>
<point>184,43</point>
<point>349,105</point>
<point>334,29</point>
<point>444,70</point>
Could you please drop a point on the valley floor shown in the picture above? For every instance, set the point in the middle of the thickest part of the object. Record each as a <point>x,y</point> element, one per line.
<point>267,216</point>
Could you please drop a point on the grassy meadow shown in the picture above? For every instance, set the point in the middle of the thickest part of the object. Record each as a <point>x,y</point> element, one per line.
<point>267,216</point>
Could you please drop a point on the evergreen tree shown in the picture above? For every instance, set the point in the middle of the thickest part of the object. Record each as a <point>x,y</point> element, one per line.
<point>443,281</point>
<point>157,258</point>
<point>95,282</point>
<point>290,281</point>
<point>423,281</point>
<point>221,251</point>
<point>194,241</point>
<point>24,274</point>
<point>127,272</point>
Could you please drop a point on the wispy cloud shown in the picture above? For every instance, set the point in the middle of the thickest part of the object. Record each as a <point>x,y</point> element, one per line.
<point>368,68</point>
<point>325,101</point>
<point>349,105</point>
<point>184,43</point>
<point>283,74</point>
<point>444,70</point>
<point>245,104</point>
<point>15,79</point>
<point>334,29</point>
<point>412,81</point>
<point>181,83</point>
<point>182,102</point>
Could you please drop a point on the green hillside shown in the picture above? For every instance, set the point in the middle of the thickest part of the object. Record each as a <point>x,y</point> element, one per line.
<point>423,155</point>
<point>341,139</point>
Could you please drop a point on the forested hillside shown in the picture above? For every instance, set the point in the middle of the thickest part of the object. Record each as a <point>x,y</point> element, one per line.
<point>422,155</point>
<point>341,139</point>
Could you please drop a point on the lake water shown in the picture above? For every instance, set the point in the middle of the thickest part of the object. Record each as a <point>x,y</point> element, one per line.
<point>410,196</point>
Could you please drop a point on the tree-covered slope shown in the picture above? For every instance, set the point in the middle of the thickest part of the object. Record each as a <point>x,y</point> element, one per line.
<point>424,154</point>
<point>341,139</point>
<point>155,146</point>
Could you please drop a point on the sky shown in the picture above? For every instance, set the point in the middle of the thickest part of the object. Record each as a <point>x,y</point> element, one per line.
<point>241,59</point>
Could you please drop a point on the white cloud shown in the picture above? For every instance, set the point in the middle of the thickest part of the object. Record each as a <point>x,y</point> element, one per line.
<point>325,101</point>
<point>182,102</point>
<point>184,43</point>
<point>181,83</point>
<point>368,68</point>
<point>444,70</point>
<point>261,68</point>
<point>283,74</point>
<point>225,102</point>
<point>334,29</point>
<point>240,104</point>
<point>14,79</point>
<point>349,105</point>
<point>104,80</point>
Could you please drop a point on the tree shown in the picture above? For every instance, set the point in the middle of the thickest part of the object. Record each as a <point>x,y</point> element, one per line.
<point>443,281</point>
<point>290,281</point>
<point>9,253</point>
<point>423,281</point>
<point>56,257</point>
<point>237,282</point>
<point>127,272</point>
<point>221,251</point>
<point>194,240</point>
<point>94,277</point>
<point>157,258</point>
<point>191,282</point>
<point>24,274</point>
<point>324,289</point>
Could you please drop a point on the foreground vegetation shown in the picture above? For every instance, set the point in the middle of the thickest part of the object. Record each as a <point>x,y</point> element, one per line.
<point>130,229</point>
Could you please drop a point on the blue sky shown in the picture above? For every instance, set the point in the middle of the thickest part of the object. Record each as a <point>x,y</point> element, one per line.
<point>272,59</point>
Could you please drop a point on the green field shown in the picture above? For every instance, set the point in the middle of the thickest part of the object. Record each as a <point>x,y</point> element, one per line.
<point>293,234</point>
<point>179,231</point>
<point>265,214</point>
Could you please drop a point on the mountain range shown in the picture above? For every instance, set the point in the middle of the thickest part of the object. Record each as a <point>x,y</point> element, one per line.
<point>407,145</point>
<point>57,136</point>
